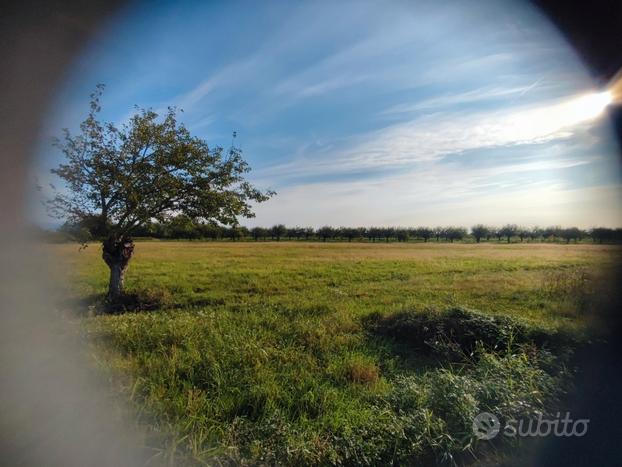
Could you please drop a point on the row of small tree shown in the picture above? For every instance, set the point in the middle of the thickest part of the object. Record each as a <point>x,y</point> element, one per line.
<point>478,233</point>
<point>182,227</point>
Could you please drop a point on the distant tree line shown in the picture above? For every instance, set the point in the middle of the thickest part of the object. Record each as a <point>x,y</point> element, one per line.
<point>182,227</point>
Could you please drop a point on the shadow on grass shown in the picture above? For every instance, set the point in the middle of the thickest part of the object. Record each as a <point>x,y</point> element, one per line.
<point>135,300</point>
<point>397,357</point>
<point>146,300</point>
<point>454,334</point>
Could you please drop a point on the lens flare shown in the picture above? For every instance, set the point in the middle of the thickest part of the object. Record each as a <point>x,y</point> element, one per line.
<point>615,88</point>
<point>556,119</point>
<point>585,107</point>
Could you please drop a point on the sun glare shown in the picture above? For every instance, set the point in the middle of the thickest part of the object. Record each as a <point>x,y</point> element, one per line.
<point>615,88</point>
<point>589,106</point>
<point>579,109</point>
<point>533,124</point>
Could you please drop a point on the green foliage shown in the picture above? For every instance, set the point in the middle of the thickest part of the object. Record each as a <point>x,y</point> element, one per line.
<point>480,231</point>
<point>278,231</point>
<point>149,168</point>
<point>325,232</point>
<point>182,226</point>
<point>508,231</point>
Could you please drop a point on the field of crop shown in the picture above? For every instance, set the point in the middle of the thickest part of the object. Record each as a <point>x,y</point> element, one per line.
<point>344,354</point>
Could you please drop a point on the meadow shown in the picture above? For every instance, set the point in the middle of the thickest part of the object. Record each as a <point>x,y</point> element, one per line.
<point>337,353</point>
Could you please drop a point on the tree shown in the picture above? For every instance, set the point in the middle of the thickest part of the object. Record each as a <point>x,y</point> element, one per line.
<point>278,231</point>
<point>523,232</point>
<point>147,169</point>
<point>534,233</point>
<point>438,232</point>
<point>299,232</point>
<point>181,226</point>
<point>455,233</point>
<point>348,232</point>
<point>259,232</point>
<point>599,234</point>
<point>424,232</point>
<point>326,232</point>
<point>571,233</point>
<point>211,230</point>
<point>402,234</point>
<point>479,231</point>
<point>236,231</point>
<point>76,231</point>
<point>292,232</point>
<point>551,232</point>
<point>508,231</point>
<point>374,233</point>
<point>388,233</point>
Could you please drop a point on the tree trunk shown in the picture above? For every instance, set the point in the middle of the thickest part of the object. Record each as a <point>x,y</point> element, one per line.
<point>117,253</point>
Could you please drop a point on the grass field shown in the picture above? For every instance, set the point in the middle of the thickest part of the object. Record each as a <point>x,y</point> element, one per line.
<point>305,352</point>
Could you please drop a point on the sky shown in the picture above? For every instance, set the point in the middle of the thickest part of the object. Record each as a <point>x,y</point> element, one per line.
<point>402,113</point>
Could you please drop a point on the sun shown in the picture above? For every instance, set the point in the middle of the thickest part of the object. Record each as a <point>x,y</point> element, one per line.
<point>577,109</point>
<point>586,107</point>
<point>558,118</point>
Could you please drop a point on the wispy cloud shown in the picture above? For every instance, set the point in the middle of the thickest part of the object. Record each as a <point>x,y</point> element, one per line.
<point>468,97</point>
<point>197,94</point>
<point>295,89</point>
<point>222,82</point>
<point>437,135</point>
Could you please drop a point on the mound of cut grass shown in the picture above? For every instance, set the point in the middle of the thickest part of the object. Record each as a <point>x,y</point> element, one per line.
<point>458,331</point>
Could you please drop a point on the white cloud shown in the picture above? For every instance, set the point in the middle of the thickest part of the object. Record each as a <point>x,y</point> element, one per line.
<point>437,135</point>
<point>223,80</point>
<point>195,95</point>
<point>448,100</point>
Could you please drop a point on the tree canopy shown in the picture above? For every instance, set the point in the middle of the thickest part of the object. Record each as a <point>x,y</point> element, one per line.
<point>146,169</point>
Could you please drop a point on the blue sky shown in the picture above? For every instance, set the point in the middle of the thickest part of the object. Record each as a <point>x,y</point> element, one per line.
<point>367,112</point>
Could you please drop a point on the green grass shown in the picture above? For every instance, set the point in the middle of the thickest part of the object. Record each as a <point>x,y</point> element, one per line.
<point>264,353</point>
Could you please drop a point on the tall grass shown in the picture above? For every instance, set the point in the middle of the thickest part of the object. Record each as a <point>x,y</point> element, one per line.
<point>338,354</point>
